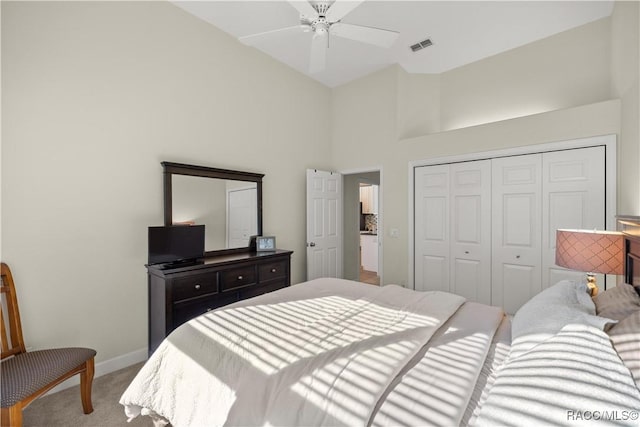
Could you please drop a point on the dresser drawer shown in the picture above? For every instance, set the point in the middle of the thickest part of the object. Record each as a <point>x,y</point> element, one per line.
<point>272,270</point>
<point>260,289</point>
<point>187,310</point>
<point>194,286</point>
<point>237,277</point>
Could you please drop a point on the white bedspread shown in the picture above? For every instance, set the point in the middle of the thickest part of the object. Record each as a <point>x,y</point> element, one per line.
<point>436,391</point>
<point>324,352</point>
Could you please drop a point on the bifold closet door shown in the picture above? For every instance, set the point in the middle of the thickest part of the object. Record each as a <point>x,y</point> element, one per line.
<point>471,230</point>
<point>431,233</point>
<point>517,230</point>
<point>573,195</point>
<point>533,196</point>
<point>486,229</point>
<point>453,229</point>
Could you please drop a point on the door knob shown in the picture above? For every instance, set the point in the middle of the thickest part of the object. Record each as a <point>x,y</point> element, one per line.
<point>312,244</point>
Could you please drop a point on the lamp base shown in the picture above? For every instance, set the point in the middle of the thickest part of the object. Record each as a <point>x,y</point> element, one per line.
<point>591,285</point>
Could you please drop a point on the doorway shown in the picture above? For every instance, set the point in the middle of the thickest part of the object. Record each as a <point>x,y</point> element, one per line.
<point>362,255</point>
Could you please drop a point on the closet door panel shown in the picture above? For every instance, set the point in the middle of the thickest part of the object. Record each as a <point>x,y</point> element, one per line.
<point>471,230</point>
<point>516,225</point>
<point>433,273</point>
<point>519,212</point>
<point>573,191</point>
<point>431,202</point>
<point>521,280</point>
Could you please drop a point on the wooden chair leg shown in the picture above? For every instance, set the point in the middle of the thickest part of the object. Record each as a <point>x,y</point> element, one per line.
<point>86,382</point>
<point>11,416</point>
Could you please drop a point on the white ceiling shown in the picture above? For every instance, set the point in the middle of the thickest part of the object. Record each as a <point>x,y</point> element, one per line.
<point>462,31</point>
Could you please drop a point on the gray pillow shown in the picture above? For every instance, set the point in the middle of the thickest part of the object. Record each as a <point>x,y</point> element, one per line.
<point>566,302</point>
<point>617,303</point>
<point>625,337</point>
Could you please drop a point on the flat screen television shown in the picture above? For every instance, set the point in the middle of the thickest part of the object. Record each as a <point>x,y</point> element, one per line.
<point>176,243</point>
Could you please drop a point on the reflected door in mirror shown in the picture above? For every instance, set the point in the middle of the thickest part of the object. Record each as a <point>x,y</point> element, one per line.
<point>242,219</point>
<point>227,208</point>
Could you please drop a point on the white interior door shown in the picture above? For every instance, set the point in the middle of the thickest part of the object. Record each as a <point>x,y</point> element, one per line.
<point>324,224</point>
<point>432,245</point>
<point>516,229</point>
<point>573,195</point>
<point>471,230</point>
<point>242,219</point>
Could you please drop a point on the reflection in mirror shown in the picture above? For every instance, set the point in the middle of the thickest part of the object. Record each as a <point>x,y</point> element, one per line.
<point>228,202</point>
<point>227,208</point>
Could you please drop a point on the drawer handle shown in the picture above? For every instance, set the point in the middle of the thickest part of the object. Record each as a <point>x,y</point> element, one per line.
<point>197,286</point>
<point>273,270</point>
<point>240,277</point>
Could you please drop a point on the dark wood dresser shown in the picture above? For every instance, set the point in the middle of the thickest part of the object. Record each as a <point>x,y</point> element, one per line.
<point>179,294</point>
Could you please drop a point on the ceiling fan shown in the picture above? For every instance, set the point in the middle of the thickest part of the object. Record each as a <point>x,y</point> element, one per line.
<point>323,19</point>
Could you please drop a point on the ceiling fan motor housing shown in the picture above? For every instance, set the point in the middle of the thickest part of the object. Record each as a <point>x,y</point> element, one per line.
<point>320,25</point>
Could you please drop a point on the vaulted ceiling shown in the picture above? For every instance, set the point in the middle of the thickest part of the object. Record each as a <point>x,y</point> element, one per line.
<point>461,31</point>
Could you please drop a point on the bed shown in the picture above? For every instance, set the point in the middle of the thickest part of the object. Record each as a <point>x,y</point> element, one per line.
<point>337,352</point>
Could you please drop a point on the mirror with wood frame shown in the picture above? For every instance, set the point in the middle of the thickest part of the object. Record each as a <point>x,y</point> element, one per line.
<point>227,202</point>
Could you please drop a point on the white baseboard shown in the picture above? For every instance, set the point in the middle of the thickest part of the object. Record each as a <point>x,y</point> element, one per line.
<point>106,367</point>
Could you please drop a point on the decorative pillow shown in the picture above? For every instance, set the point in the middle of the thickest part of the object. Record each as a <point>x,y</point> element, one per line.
<point>625,337</point>
<point>566,302</point>
<point>618,302</point>
<point>573,378</point>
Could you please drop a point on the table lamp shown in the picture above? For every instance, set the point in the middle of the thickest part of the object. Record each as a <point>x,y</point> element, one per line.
<point>590,251</point>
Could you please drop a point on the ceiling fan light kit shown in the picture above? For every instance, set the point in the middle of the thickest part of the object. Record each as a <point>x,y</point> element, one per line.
<point>323,18</point>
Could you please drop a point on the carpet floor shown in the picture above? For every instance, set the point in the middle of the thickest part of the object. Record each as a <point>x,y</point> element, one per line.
<point>64,408</point>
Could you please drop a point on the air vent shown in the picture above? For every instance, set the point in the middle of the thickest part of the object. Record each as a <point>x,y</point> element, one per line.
<point>421,45</point>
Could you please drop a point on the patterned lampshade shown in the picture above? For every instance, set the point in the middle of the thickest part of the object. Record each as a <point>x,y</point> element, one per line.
<point>590,251</point>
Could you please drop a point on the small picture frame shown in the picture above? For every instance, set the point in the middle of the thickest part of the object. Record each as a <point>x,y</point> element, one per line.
<point>265,244</point>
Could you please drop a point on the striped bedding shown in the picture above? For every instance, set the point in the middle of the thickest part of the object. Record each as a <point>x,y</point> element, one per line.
<point>326,352</point>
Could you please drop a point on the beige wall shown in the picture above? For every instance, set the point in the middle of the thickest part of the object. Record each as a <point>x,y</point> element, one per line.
<point>556,89</point>
<point>571,68</point>
<point>625,85</point>
<point>94,97</point>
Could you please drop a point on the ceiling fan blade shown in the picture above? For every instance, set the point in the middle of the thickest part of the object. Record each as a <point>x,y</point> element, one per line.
<point>318,57</point>
<point>371,35</point>
<point>253,38</point>
<point>305,8</point>
<point>340,8</point>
